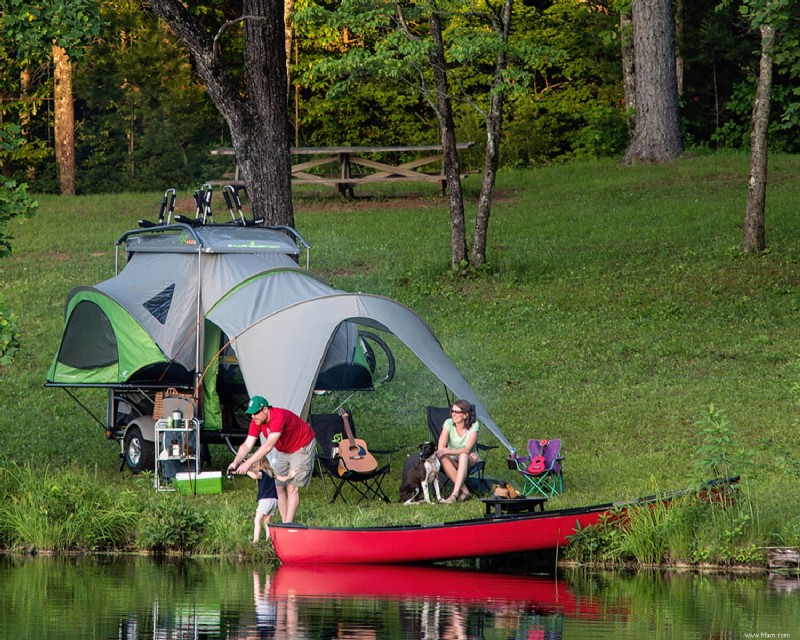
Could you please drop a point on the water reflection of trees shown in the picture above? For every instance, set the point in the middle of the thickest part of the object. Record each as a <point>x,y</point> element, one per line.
<point>138,598</point>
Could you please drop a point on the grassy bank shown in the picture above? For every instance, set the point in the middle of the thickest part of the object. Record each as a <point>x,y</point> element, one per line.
<point>616,310</point>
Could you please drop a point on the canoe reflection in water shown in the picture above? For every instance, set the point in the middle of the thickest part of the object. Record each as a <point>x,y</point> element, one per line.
<point>362,602</point>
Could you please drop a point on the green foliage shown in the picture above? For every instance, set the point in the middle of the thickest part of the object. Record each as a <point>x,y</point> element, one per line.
<point>595,544</point>
<point>719,68</point>
<point>173,525</point>
<point>708,525</point>
<point>148,124</point>
<point>569,104</point>
<point>35,25</point>
<point>9,334</point>
<point>144,122</point>
<point>645,532</point>
<point>60,510</point>
<point>228,529</point>
<point>14,203</point>
<point>719,457</point>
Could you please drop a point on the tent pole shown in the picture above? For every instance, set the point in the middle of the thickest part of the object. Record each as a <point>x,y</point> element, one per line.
<point>198,369</point>
<point>344,402</point>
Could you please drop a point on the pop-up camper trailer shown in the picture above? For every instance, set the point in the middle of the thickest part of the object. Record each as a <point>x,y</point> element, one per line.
<point>221,312</point>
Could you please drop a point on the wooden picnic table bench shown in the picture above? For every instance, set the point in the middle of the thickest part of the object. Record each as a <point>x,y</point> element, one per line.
<point>345,158</point>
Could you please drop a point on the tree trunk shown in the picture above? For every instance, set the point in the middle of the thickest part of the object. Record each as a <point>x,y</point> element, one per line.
<point>266,138</point>
<point>754,239</point>
<point>455,200</point>
<point>678,42</point>
<point>257,115</point>
<point>494,129</point>
<point>288,34</point>
<point>657,135</point>
<point>28,108</point>
<point>628,68</point>
<point>64,120</point>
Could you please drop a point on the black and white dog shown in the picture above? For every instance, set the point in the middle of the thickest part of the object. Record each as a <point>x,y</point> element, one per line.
<point>420,475</point>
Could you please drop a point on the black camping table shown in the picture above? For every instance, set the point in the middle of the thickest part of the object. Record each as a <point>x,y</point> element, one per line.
<point>496,507</point>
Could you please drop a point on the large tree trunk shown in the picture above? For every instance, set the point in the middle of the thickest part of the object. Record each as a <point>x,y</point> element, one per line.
<point>265,137</point>
<point>754,239</point>
<point>657,134</point>
<point>257,116</point>
<point>455,200</point>
<point>494,129</point>
<point>64,110</point>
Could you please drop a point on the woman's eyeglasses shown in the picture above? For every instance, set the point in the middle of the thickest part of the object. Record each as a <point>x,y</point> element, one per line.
<point>456,411</point>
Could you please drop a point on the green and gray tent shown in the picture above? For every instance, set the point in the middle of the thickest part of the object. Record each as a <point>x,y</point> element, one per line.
<point>190,297</point>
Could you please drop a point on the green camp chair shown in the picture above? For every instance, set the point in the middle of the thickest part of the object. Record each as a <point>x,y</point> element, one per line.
<point>541,469</point>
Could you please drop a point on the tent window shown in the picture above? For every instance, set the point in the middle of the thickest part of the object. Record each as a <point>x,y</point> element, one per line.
<point>89,339</point>
<point>159,304</point>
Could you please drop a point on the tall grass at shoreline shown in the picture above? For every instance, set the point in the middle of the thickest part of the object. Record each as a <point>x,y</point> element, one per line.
<point>615,309</point>
<point>702,525</point>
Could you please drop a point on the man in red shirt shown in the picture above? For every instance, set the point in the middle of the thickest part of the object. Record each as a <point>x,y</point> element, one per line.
<point>292,439</point>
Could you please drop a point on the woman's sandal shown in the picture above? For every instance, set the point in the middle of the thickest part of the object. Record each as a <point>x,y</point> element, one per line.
<point>464,496</point>
<point>450,500</point>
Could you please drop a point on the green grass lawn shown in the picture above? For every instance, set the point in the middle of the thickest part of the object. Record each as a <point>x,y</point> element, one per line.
<point>616,309</point>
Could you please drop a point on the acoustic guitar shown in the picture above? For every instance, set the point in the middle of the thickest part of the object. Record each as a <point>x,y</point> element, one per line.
<point>353,453</point>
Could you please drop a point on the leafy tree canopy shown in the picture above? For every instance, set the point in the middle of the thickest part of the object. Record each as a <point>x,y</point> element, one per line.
<point>35,25</point>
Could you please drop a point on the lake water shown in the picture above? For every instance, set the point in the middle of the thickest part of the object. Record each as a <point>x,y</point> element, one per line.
<point>134,598</point>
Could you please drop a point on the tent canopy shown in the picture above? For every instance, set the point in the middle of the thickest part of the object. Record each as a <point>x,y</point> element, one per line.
<point>306,329</point>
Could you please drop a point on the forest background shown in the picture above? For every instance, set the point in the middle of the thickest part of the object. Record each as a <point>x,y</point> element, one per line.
<point>144,122</point>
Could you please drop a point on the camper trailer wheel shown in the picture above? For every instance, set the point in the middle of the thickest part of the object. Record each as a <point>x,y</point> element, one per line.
<point>369,353</point>
<point>139,453</point>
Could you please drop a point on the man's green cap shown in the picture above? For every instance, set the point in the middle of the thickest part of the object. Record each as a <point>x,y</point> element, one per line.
<point>257,403</point>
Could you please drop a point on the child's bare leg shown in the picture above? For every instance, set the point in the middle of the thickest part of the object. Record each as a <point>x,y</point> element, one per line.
<point>257,527</point>
<point>266,526</point>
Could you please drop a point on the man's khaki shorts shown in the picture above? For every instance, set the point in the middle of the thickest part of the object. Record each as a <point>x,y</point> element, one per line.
<point>301,460</point>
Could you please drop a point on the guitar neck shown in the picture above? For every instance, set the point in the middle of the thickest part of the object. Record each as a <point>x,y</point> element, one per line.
<point>348,430</point>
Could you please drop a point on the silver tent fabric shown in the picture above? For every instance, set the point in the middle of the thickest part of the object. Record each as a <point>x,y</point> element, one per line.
<point>144,277</point>
<point>269,291</point>
<point>280,354</point>
<point>224,272</point>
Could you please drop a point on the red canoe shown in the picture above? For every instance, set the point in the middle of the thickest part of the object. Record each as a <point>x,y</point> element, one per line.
<point>431,542</point>
<point>481,537</point>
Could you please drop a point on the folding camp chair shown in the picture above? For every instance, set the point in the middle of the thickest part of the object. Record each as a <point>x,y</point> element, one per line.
<point>436,420</point>
<point>541,469</point>
<point>331,439</point>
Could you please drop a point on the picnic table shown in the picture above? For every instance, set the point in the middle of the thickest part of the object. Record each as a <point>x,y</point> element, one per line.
<point>343,159</point>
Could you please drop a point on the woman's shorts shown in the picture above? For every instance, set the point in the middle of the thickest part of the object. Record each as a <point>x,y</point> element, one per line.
<point>302,460</point>
<point>473,459</point>
<point>267,506</point>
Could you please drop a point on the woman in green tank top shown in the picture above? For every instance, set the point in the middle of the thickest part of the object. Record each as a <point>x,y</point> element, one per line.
<point>457,447</point>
